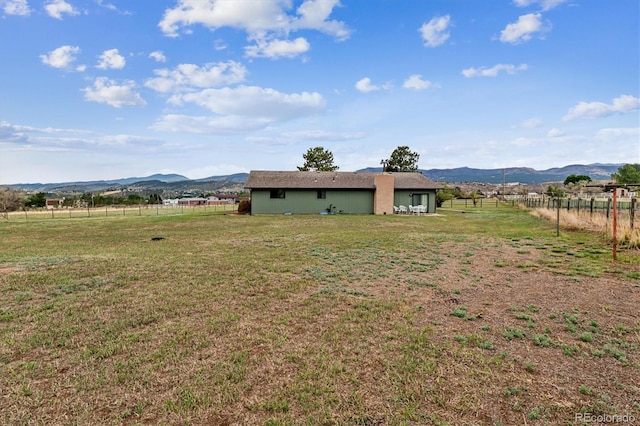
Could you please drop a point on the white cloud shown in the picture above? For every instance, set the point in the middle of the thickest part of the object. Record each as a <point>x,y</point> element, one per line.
<point>62,57</point>
<point>302,136</point>
<point>158,55</point>
<point>278,48</point>
<point>117,95</point>
<point>253,101</point>
<point>314,14</point>
<point>591,110</point>
<point>112,7</point>
<point>616,134</point>
<point>544,4</point>
<point>364,85</point>
<point>111,59</point>
<point>555,133</point>
<point>524,29</point>
<point>530,123</point>
<point>255,17</point>
<point>241,109</point>
<point>16,7</point>
<point>434,33</point>
<point>190,76</point>
<point>7,128</point>
<point>64,140</point>
<point>415,82</point>
<point>493,71</point>
<point>219,45</point>
<point>13,134</point>
<point>55,9</point>
<point>206,124</point>
<point>322,135</point>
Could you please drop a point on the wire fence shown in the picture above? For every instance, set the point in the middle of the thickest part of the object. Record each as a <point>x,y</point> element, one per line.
<point>148,210</point>
<point>627,208</point>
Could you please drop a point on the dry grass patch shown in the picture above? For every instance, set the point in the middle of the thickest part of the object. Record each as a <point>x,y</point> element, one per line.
<point>314,320</point>
<point>596,222</point>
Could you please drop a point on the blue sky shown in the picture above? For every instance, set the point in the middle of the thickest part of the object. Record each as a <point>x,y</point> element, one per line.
<point>105,89</point>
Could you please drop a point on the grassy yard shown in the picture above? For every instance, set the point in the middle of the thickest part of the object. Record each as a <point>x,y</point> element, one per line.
<point>471,316</point>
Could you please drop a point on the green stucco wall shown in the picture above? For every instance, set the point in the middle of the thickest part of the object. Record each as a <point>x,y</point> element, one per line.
<point>404,197</point>
<point>306,202</point>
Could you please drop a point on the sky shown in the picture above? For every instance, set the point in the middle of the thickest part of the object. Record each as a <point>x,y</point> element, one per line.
<point>109,89</point>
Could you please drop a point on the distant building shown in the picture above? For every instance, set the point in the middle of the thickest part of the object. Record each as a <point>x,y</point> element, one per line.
<point>194,201</point>
<point>220,199</point>
<point>53,203</point>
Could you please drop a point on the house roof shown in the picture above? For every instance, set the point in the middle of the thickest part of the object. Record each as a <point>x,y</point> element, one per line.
<point>259,179</point>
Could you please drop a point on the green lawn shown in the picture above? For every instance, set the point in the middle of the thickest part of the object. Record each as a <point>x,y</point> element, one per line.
<point>472,316</point>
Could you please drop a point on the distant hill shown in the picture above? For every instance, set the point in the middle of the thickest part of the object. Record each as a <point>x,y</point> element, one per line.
<point>238,177</point>
<point>97,185</point>
<point>517,174</point>
<point>178,183</point>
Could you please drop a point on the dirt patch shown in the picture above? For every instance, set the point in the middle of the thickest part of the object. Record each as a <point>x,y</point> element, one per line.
<point>6,270</point>
<point>531,331</point>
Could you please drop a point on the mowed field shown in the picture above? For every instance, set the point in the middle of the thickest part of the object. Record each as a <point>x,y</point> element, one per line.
<point>472,316</point>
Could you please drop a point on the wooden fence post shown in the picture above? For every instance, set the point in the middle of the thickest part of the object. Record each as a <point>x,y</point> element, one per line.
<point>632,211</point>
<point>608,207</point>
<point>558,200</point>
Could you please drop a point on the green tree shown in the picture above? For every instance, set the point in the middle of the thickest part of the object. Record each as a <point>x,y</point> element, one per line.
<point>133,199</point>
<point>403,160</point>
<point>10,200</point>
<point>155,199</point>
<point>576,179</point>
<point>554,191</point>
<point>444,194</point>
<point>629,173</point>
<point>318,159</point>
<point>36,200</point>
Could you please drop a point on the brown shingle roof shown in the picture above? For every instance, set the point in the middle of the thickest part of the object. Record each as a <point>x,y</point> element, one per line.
<point>259,179</point>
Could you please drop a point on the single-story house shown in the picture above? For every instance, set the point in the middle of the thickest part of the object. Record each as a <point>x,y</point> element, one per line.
<point>53,203</point>
<point>194,201</point>
<point>219,199</point>
<point>278,192</point>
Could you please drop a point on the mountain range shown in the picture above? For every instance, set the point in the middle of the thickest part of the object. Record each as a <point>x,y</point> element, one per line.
<point>179,183</point>
<point>524,175</point>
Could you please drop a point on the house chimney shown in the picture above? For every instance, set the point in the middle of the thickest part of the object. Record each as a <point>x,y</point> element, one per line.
<point>383,197</point>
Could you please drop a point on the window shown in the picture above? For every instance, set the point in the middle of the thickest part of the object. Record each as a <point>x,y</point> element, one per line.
<point>277,193</point>
<point>321,195</point>
<point>420,199</point>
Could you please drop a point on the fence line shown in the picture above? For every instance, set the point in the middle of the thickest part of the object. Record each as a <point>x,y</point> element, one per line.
<point>112,211</point>
<point>625,207</point>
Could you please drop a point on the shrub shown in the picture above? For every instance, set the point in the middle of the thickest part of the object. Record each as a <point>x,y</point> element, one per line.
<point>244,207</point>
